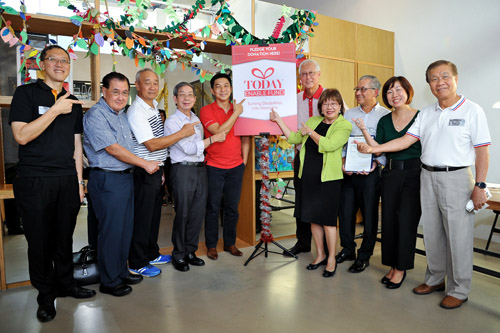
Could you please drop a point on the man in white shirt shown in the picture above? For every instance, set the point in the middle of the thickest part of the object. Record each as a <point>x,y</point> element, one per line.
<point>189,178</point>
<point>361,189</point>
<point>454,135</point>
<point>149,144</point>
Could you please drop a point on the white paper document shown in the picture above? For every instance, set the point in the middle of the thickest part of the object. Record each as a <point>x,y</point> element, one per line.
<point>356,161</point>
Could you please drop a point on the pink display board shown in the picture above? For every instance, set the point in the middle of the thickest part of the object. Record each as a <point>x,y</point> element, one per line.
<point>265,77</point>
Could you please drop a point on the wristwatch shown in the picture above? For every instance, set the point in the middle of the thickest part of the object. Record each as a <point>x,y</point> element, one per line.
<point>481,185</point>
<point>81,182</point>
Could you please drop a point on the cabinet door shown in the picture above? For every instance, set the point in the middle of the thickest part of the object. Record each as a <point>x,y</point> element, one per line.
<point>340,75</point>
<point>382,73</point>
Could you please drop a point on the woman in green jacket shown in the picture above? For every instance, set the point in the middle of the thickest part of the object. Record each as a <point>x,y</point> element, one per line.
<point>322,139</point>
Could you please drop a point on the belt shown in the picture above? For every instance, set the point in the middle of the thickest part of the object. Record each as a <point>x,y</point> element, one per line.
<point>413,163</point>
<point>121,172</point>
<point>196,164</point>
<point>446,168</point>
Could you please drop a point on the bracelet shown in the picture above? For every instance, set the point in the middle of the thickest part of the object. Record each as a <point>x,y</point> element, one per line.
<point>210,138</point>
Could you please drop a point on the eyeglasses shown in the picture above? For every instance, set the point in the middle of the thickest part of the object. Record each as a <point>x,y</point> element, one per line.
<point>186,96</point>
<point>330,105</point>
<point>362,89</point>
<point>117,93</point>
<point>443,76</point>
<point>60,61</point>
<point>306,74</point>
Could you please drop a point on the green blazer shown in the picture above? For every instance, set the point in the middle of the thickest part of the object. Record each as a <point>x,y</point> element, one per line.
<point>330,145</point>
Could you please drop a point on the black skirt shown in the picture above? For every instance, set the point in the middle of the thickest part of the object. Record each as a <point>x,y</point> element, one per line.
<point>319,201</point>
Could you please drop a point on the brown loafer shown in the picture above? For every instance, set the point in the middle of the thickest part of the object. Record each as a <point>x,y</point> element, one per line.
<point>450,302</point>
<point>424,289</point>
<point>233,250</point>
<point>212,253</point>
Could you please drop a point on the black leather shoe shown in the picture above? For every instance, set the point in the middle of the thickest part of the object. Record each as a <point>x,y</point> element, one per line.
<point>132,279</point>
<point>328,274</point>
<point>385,280</point>
<point>296,249</point>
<point>312,267</point>
<point>79,292</point>
<point>359,266</point>
<point>343,256</point>
<point>46,312</point>
<point>392,285</point>
<point>192,259</point>
<point>118,291</point>
<point>180,265</point>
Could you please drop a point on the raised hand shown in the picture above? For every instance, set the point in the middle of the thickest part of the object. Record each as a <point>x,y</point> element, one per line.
<point>363,147</point>
<point>360,123</point>
<point>188,129</point>
<point>305,130</point>
<point>274,116</point>
<point>64,105</point>
<point>219,137</point>
<point>238,107</point>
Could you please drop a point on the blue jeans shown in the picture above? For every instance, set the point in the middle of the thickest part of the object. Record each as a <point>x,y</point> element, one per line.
<point>223,183</point>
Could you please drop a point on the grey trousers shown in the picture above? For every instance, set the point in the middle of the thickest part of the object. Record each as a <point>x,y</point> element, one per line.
<point>448,229</point>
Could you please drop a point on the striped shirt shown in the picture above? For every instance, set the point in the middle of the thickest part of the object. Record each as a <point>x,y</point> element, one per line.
<point>146,124</point>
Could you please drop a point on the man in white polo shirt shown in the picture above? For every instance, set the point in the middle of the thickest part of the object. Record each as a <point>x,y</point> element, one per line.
<point>149,144</point>
<point>454,135</point>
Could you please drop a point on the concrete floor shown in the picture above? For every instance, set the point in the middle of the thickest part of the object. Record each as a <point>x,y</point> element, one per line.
<point>275,294</point>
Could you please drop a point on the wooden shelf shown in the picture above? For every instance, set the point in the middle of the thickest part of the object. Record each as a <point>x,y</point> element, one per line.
<point>57,25</point>
<point>6,100</point>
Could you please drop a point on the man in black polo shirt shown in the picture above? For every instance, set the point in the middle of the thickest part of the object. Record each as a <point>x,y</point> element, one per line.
<point>47,123</point>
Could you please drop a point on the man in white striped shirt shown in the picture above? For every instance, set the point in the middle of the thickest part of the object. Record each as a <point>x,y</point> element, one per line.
<point>150,144</point>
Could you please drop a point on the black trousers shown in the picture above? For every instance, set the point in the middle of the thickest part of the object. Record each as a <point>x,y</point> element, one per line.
<point>303,229</point>
<point>401,212</point>
<point>49,207</point>
<point>147,215</point>
<point>190,197</point>
<point>359,191</point>
<point>113,200</point>
<point>227,183</point>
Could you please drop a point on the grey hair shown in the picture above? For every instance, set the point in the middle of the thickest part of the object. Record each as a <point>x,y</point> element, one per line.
<point>180,85</point>
<point>375,82</point>
<point>309,61</point>
<point>138,74</point>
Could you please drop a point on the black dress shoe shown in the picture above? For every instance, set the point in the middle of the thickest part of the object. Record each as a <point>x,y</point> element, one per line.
<point>118,291</point>
<point>392,285</point>
<point>385,280</point>
<point>359,266</point>
<point>296,249</point>
<point>132,279</point>
<point>328,274</point>
<point>46,312</point>
<point>180,265</point>
<point>79,292</point>
<point>343,256</point>
<point>192,259</point>
<point>312,267</point>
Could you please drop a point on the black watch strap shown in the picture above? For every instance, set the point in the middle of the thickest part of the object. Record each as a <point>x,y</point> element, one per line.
<point>481,185</point>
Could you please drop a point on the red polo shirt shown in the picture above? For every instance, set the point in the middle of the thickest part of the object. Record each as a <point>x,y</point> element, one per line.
<point>227,154</point>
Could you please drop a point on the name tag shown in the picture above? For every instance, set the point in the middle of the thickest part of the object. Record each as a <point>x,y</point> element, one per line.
<point>456,122</point>
<point>43,109</point>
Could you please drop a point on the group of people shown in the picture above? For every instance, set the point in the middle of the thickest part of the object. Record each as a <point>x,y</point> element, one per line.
<point>424,176</point>
<point>126,149</point>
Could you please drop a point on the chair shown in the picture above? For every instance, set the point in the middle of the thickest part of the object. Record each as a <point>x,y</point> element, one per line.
<point>493,228</point>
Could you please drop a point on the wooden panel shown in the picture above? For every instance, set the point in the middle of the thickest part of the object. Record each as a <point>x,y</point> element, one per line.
<point>375,45</point>
<point>382,73</point>
<point>334,38</point>
<point>340,75</point>
<point>245,230</point>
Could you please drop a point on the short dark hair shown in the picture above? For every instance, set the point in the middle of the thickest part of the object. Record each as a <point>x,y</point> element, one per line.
<point>404,83</point>
<point>439,63</point>
<point>180,85</point>
<point>330,94</point>
<point>220,76</point>
<point>106,80</point>
<point>43,55</point>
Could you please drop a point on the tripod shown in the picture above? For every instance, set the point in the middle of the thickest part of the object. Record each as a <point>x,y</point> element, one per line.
<point>265,218</point>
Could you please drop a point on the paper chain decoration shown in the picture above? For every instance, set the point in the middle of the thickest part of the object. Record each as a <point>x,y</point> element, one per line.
<point>265,205</point>
<point>155,51</point>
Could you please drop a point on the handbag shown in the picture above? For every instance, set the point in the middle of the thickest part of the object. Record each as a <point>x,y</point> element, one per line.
<point>85,268</point>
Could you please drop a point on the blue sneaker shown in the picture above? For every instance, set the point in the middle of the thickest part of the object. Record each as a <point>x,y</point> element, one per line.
<point>146,271</point>
<point>162,259</point>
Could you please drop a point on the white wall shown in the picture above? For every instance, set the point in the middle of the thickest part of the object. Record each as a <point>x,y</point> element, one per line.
<point>463,31</point>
